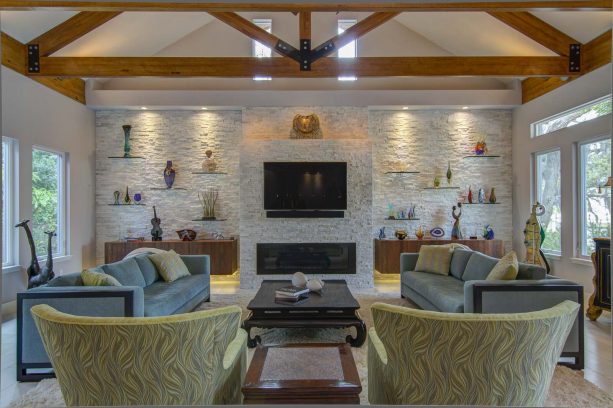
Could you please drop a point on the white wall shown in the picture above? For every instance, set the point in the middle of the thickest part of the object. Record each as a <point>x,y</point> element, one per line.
<point>584,89</point>
<point>36,115</point>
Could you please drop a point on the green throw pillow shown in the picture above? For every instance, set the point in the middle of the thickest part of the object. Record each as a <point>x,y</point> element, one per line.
<point>506,269</point>
<point>434,259</point>
<point>170,265</point>
<point>91,278</point>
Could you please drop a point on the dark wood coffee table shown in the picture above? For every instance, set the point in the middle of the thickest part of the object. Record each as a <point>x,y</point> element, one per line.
<point>334,308</point>
<point>302,374</point>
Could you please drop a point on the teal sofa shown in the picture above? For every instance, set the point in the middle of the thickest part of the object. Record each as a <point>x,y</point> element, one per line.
<point>143,293</point>
<point>466,290</point>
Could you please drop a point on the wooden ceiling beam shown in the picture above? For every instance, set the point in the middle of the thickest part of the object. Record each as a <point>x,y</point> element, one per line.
<point>14,56</point>
<point>247,67</point>
<point>313,6</point>
<point>594,55</point>
<point>305,25</point>
<point>538,30</point>
<point>70,30</point>
<point>352,33</point>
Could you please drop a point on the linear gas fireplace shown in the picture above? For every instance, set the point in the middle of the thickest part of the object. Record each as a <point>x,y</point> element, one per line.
<point>315,258</point>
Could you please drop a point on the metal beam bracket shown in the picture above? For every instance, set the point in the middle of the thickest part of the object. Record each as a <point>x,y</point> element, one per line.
<point>305,55</point>
<point>33,58</point>
<point>323,50</point>
<point>574,58</point>
<point>288,50</point>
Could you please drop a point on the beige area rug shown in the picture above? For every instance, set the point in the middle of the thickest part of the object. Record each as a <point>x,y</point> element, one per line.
<point>568,389</point>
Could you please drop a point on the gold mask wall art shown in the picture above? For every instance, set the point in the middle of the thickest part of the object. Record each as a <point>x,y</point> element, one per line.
<point>306,127</point>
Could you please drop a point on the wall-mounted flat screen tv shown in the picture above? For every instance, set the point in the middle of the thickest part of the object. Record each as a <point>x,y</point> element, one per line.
<point>305,186</point>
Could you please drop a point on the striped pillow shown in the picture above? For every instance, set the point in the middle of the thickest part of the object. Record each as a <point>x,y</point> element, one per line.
<point>434,259</point>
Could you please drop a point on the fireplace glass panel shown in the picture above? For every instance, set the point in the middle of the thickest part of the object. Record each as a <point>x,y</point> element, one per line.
<point>310,258</point>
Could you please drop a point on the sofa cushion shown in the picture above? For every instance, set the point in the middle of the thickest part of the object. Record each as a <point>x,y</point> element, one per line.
<point>459,259</point>
<point>444,292</point>
<point>505,269</point>
<point>530,271</point>
<point>92,277</point>
<point>147,268</point>
<point>126,272</point>
<point>479,266</point>
<point>70,279</point>
<point>164,298</point>
<point>170,265</point>
<point>434,259</point>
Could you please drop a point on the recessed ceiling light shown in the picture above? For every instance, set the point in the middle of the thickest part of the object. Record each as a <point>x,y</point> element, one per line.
<point>204,108</point>
<point>465,107</point>
<point>405,108</point>
<point>348,78</point>
<point>143,108</point>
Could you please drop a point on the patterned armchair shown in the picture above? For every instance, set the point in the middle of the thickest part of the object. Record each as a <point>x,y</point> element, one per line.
<point>418,357</point>
<point>197,358</point>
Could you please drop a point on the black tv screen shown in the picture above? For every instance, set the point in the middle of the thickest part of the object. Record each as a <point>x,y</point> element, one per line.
<point>305,186</point>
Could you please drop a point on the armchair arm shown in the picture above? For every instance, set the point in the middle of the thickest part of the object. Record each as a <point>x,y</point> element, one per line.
<point>377,364</point>
<point>408,261</point>
<point>228,389</point>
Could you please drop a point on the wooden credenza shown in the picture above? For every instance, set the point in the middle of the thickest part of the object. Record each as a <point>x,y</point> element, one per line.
<point>223,252</point>
<point>387,251</point>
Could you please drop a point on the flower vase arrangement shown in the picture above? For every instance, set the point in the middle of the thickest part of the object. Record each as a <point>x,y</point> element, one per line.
<point>208,199</point>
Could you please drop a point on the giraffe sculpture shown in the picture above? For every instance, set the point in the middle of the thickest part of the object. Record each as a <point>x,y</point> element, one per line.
<point>534,235</point>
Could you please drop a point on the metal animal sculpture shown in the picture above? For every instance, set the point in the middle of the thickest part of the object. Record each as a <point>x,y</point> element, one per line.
<point>534,235</point>
<point>36,276</point>
<point>456,232</point>
<point>48,268</point>
<point>156,231</point>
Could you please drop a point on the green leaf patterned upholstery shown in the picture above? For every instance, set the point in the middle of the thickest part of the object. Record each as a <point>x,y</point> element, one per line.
<point>197,358</point>
<point>418,357</point>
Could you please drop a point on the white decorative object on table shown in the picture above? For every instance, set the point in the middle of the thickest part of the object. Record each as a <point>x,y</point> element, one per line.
<point>315,285</point>
<point>299,280</point>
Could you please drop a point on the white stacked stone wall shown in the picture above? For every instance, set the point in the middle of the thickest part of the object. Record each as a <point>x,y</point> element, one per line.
<point>371,142</point>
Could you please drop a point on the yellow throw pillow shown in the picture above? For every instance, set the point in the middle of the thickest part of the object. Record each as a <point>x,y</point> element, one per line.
<point>91,278</point>
<point>170,265</point>
<point>506,269</point>
<point>434,259</point>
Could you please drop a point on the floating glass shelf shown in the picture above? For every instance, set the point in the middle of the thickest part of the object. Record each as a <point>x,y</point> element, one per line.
<point>211,219</point>
<point>124,157</point>
<point>483,156</point>
<point>480,203</point>
<point>166,188</point>
<point>127,205</point>
<point>442,188</point>
<point>209,172</point>
<point>401,219</point>
<point>402,172</point>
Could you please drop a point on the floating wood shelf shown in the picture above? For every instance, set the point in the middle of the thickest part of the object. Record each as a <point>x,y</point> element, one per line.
<point>124,157</point>
<point>483,156</point>
<point>442,188</point>
<point>209,172</point>
<point>402,172</point>
<point>166,188</point>
<point>211,220</point>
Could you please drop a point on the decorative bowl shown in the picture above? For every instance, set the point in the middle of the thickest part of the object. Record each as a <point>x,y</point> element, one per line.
<point>437,232</point>
<point>187,234</point>
<point>400,234</point>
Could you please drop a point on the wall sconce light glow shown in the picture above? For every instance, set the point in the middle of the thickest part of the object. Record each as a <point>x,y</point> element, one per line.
<point>405,108</point>
<point>262,78</point>
<point>143,108</point>
<point>348,78</point>
<point>465,107</point>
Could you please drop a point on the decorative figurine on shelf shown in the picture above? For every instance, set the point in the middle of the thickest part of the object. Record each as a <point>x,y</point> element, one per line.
<point>481,146</point>
<point>306,127</point>
<point>437,232</point>
<point>488,232</point>
<point>382,233</point>
<point>117,196</point>
<point>419,234</point>
<point>470,195</point>
<point>156,231</point>
<point>400,234</point>
<point>534,235</point>
<point>209,164</point>
<point>493,196</point>
<point>391,215</point>
<point>126,140</point>
<point>169,174</point>
<point>449,173</point>
<point>481,196</point>
<point>411,212</point>
<point>36,276</point>
<point>208,199</point>
<point>126,198</point>
<point>456,232</point>
<point>137,198</point>
<point>437,181</point>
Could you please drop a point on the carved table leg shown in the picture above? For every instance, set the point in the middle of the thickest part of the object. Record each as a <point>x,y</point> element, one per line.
<point>360,337</point>
<point>251,342</point>
<point>593,312</point>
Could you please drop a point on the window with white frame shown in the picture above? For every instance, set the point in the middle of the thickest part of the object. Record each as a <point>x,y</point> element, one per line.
<point>9,202</point>
<point>259,49</point>
<point>548,192</point>
<point>49,200</point>
<point>572,117</point>
<point>349,50</point>
<point>594,195</point>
